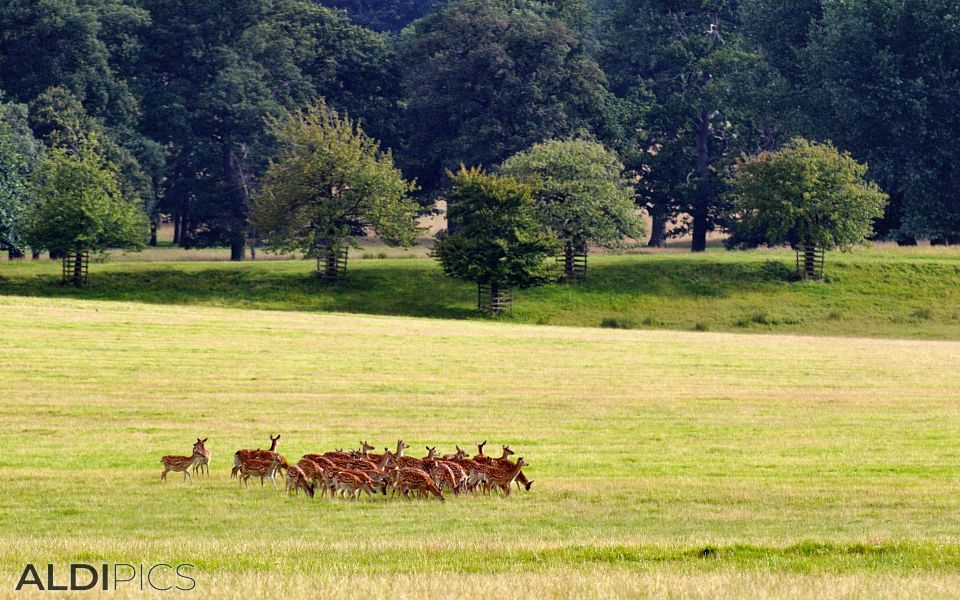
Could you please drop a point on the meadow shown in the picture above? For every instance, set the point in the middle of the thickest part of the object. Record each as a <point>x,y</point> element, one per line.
<point>666,463</point>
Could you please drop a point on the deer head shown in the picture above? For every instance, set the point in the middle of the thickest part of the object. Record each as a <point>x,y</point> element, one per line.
<point>431,452</point>
<point>521,462</point>
<point>480,446</point>
<point>273,442</point>
<point>506,452</point>
<point>365,448</point>
<point>461,453</point>
<point>401,447</point>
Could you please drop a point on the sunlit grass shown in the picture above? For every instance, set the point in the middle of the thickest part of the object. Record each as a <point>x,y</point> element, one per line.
<point>664,462</point>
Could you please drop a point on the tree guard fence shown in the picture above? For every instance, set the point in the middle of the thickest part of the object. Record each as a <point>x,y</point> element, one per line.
<point>810,261</point>
<point>573,266</point>
<point>493,299</point>
<point>76,266</point>
<point>332,263</point>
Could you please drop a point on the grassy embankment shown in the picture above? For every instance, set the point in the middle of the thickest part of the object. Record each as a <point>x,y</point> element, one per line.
<point>913,293</point>
<point>666,463</point>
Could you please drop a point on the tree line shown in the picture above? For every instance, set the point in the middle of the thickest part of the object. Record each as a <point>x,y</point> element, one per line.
<point>182,100</point>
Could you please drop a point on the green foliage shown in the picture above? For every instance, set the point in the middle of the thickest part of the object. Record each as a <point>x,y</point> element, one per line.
<point>580,191</point>
<point>881,80</point>
<point>807,194</point>
<point>487,78</point>
<point>383,15</point>
<point>330,180</point>
<point>19,152</point>
<point>79,207</point>
<point>499,238</point>
<point>705,94</point>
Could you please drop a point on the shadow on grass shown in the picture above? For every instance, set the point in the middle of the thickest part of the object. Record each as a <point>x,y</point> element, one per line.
<point>382,290</point>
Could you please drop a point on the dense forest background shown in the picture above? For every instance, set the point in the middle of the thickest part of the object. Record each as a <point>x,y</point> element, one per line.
<point>177,92</point>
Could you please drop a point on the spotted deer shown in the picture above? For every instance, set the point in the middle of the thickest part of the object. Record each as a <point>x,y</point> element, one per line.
<point>415,480</point>
<point>264,469</point>
<point>502,476</point>
<point>297,480</point>
<point>504,460</point>
<point>180,464</point>
<point>352,483</point>
<point>259,454</point>
<point>203,465</point>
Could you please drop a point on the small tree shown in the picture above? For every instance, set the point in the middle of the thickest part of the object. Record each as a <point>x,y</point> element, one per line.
<point>808,195</point>
<point>499,244</point>
<point>328,184</point>
<point>580,194</point>
<point>79,209</point>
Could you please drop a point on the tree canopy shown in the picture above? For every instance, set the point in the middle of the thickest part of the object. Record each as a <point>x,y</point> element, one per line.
<point>805,194</point>
<point>500,240</point>
<point>78,206</point>
<point>329,182</point>
<point>580,191</point>
<point>19,153</point>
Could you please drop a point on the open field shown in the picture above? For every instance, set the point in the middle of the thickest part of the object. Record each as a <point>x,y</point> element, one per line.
<point>895,293</point>
<point>666,463</point>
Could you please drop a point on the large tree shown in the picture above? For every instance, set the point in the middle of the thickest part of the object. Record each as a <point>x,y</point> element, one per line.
<point>487,78</point>
<point>882,77</point>
<point>705,91</point>
<point>808,195</point>
<point>328,183</point>
<point>248,59</point>
<point>78,208</point>
<point>580,193</point>
<point>19,152</point>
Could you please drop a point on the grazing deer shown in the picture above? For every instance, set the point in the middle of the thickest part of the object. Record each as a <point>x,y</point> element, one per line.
<point>180,464</point>
<point>502,477</point>
<point>258,454</point>
<point>297,480</point>
<point>352,482</point>
<point>415,480</point>
<point>265,469</point>
<point>202,465</point>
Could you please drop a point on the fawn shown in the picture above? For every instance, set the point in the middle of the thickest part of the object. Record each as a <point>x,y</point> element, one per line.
<point>180,464</point>
<point>203,465</point>
<point>258,454</point>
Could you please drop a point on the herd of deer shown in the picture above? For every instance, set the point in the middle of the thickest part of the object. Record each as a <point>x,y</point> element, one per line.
<point>350,474</point>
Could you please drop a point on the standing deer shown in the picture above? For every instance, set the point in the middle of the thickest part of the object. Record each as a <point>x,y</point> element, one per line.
<point>265,469</point>
<point>180,464</point>
<point>203,465</point>
<point>415,480</point>
<point>259,454</point>
<point>502,476</point>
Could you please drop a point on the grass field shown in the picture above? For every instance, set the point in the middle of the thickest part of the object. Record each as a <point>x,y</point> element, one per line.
<point>901,293</point>
<point>666,463</point>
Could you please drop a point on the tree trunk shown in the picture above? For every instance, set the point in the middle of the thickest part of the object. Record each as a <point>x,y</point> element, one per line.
<point>702,199</point>
<point>810,262</point>
<point>14,253</point>
<point>153,232</point>
<point>569,253</point>
<point>238,249</point>
<point>78,268</point>
<point>35,254</point>
<point>176,228</point>
<point>658,229</point>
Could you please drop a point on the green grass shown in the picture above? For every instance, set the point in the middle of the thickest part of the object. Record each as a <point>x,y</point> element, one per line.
<point>666,463</point>
<point>912,293</point>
